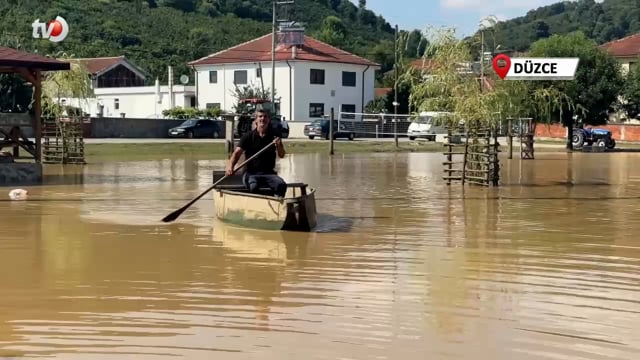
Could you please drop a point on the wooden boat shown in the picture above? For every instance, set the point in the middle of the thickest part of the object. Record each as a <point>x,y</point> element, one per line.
<point>235,204</point>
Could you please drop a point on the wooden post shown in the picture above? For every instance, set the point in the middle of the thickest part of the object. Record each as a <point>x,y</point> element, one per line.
<point>510,137</point>
<point>449,156</point>
<point>38,115</point>
<point>331,133</point>
<point>494,158</point>
<point>464,161</point>
<point>229,130</point>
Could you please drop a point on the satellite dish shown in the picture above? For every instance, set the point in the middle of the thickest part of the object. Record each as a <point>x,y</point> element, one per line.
<point>184,79</point>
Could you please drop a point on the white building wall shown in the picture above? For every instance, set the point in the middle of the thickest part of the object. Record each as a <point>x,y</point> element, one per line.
<point>134,102</point>
<point>332,93</point>
<point>222,91</point>
<point>296,96</point>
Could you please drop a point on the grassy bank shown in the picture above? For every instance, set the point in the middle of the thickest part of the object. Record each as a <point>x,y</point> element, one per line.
<point>199,150</point>
<point>143,151</point>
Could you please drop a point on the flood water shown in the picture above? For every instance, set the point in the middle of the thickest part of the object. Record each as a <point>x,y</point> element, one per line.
<point>401,266</point>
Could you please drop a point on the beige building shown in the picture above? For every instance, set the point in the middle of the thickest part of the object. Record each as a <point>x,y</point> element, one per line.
<point>626,50</point>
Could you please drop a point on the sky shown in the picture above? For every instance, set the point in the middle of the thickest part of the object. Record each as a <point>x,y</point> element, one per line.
<point>464,15</point>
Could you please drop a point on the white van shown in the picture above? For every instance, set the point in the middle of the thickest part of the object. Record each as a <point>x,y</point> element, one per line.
<point>426,125</point>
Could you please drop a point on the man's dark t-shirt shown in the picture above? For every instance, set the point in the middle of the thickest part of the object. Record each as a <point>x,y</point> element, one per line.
<point>251,142</point>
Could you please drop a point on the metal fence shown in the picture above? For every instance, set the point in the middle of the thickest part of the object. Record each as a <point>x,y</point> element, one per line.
<point>366,125</point>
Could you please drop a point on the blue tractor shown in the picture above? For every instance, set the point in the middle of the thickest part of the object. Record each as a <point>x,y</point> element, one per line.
<point>590,136</point>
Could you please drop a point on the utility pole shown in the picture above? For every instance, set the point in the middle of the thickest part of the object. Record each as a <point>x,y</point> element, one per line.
<point>483,27</point>
<point>395,90</point>
<point>482,60</point>
<point>273,49</point>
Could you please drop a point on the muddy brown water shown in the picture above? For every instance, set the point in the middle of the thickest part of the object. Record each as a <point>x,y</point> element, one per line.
<point>402,267</point>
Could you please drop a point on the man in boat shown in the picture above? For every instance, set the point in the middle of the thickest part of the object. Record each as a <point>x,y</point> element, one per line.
<point>261,170</point>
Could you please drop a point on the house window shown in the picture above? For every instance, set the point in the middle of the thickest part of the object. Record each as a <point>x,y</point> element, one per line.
<point>348,78</point>
<point>240,77</point>
<point>259,72</point>
<point>316,110</point>
<point>348,108</point>
<point>213,105</point>
<point>213,77</point>
<point>116,104</point>
<point>317,76</point>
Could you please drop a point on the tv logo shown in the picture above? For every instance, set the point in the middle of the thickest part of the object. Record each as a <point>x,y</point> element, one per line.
<point>56,30</point>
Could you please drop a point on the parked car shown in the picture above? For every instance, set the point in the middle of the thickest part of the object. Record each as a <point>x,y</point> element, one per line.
<point>320,128</point>
<point>425,126</point>
<point>193,128</point>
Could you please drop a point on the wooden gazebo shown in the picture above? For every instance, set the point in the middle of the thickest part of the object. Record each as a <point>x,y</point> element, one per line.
<point>30,67</point>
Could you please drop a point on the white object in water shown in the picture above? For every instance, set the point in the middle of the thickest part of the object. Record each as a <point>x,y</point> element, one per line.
<point>18,194</point>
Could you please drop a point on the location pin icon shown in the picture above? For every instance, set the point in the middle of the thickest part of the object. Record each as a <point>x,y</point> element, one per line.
<point>502,64</point>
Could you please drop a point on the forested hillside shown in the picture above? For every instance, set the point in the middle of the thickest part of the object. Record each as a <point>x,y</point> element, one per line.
<point>602,21</point>
<point>157,33</point>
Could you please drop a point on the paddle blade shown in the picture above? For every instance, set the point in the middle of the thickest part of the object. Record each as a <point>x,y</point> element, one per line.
<point>174,215</point>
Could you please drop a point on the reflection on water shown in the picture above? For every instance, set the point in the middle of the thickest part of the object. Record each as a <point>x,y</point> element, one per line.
<point>401,267</point>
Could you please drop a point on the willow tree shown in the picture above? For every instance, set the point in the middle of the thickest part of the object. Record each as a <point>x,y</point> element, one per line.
<point>73,84</point>
<point>448,84</point>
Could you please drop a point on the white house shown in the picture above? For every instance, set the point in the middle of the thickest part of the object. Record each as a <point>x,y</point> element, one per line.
<point>311,77</point>
<point>119,91</point>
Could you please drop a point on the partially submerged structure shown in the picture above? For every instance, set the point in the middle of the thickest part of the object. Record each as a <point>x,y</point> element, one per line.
<point>28,170</point>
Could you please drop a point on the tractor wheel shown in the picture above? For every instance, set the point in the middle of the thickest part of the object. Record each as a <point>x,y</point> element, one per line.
<point>602,143</point>
<point>578,139</point>
<point>611,144</point>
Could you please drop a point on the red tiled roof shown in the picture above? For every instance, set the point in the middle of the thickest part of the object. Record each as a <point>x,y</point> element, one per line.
<point>97,65</point>
<point>627,46</point>
<point>422,64</point>
<point>259,50</point>
<point>15,58</point>
<point>382,91</point>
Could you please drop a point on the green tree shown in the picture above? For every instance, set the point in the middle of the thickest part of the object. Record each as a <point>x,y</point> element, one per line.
<point>443,87</point>
<point>541,29</point>
<point>15,92</point>
<point>332,32</point>
<point>183,5</point>
<point>74,83</point>
<point>598,80</point>
<point>174,32</point>
<point>376,105</point>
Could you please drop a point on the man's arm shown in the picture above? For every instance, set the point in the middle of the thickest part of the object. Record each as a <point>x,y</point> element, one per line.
<point>235,156</point>
<point>280,148</point>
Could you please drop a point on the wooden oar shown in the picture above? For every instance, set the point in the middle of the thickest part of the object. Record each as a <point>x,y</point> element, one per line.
<point>174,215</point>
